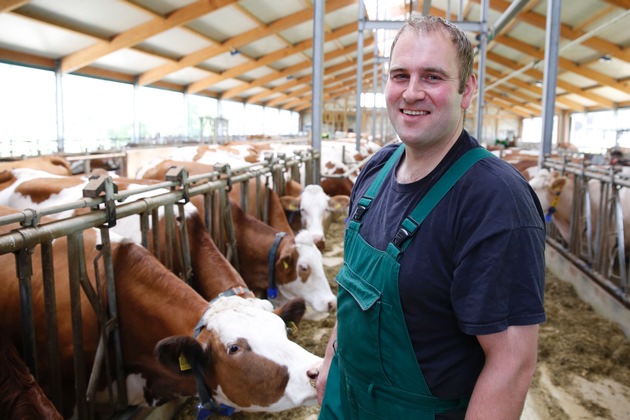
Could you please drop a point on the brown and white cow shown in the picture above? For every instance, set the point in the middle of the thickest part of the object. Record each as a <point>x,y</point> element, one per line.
<point>52,164</point>
<point>230,342</point>
<point>297,269</point>
<point>20,395</point>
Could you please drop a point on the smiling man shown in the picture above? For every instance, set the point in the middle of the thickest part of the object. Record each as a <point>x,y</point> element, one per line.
<point>441,291</point>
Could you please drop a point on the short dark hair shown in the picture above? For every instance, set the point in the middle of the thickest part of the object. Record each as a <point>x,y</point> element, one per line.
<point>465,51</point>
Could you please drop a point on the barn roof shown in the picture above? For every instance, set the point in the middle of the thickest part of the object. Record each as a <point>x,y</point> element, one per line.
<point>259,51</point>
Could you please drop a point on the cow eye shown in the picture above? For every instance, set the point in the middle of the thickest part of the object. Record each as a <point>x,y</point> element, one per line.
<point>233,348</point>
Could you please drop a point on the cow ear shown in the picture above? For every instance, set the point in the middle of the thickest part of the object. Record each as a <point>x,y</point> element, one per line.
<point>284,263</point>
<point>180,354</point>
<point>292,312</point>
<point>339,202</point>
<point>290,203</point>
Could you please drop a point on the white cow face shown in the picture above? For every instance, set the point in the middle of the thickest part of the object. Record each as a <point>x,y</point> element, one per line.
<point>317,210</point>
<point>311,283</point>
<point>250,364</point>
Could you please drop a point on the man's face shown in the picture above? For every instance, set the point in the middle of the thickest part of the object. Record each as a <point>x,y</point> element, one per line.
<point>421,93</point>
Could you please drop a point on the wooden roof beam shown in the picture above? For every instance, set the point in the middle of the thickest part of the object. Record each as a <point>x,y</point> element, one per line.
<point>8,5</point>
<point>238,41</point>
<point>290,71</point>
<point>269,58</point>
<point>140,33</point>
<point>538,75</point>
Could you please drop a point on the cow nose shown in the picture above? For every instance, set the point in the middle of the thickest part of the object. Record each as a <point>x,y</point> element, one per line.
<point>320,242</point>
<point>332,305</point>
<point>312,374</point>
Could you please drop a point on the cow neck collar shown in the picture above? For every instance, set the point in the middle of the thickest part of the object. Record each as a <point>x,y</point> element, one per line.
<point>207,405</point>
<point>552,209</point>
<point>272,290</point>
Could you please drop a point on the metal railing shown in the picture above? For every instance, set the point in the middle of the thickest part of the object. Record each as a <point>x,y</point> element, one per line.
<point>101,207</point>
<point>597,236</point>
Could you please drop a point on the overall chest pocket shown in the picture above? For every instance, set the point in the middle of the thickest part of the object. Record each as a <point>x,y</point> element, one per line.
<point>362,325</point>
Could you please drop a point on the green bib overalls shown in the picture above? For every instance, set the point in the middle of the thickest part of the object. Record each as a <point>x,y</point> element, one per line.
<point>375,373</point>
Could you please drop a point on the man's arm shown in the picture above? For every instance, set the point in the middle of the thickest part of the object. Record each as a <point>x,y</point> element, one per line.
<point>502,386</point>
<point>322,378</point>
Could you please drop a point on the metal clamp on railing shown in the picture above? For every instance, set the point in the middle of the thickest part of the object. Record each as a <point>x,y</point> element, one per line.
<point>96,187</point>
<point>224,168</point>
<point>269,158</point>
<point>31,218</point>
<point>180,175</point>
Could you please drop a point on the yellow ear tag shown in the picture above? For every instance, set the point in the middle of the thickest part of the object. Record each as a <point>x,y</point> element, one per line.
<point>183,363</point>
<point>286,266</point>
<point>292,328</point>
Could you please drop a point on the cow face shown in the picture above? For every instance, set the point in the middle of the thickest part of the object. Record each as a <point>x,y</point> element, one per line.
<point>246,358</point>
<point>311,282</point>
<point>316,210</point>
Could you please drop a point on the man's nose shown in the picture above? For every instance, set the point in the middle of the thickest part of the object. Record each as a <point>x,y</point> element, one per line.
<point>415,90</point>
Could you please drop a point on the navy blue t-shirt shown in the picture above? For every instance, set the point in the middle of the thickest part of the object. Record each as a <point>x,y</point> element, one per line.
<point>475,266</point>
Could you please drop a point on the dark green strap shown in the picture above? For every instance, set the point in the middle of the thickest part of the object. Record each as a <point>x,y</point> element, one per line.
<point>366,199</point>
<point>373,189</point>
<point>410,224</point>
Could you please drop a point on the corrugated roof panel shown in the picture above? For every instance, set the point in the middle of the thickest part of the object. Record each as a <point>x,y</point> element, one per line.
<point>270,11</point>
<point>223,24</point>
<point>187,76</point>
<point>111,16</point>
<point>264,46</point>
<point>226,60</point>
<point>26,35</point>
<point>176,42</point>
<point>129,61</point>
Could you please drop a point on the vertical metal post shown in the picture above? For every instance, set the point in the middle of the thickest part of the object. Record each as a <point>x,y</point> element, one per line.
<point>360,36</point>
<point>375,82</point>
<point>24,266</point>
<point>76,266</point>
<point>59,108</point>
<point>552,40</point>
<point>50,303</point>
<point>483,43</point>
<point>136,116</point>
<point>318,78</point>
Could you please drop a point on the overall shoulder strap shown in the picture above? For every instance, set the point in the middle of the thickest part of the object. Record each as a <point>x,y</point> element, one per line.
<point>366,199</point>
<point>410,224</point>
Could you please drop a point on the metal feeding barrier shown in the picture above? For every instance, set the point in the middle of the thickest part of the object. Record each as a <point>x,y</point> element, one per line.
<point>596,242</point>
<point>28,231</point>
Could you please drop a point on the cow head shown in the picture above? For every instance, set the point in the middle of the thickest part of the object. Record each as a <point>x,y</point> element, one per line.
<point>311,282</point>
<point>244,358</point>
<point>316,210</point>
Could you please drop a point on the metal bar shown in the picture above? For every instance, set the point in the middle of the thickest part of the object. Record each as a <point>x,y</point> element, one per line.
<point>23,262</point>
<point>184,245</point>
<point>360,42</point>
<point>507,16</point>
<point>50,305</point>
<point>483,43</point>
<point>552,39</point>
<point>76,257</point>
<point>318,77</point>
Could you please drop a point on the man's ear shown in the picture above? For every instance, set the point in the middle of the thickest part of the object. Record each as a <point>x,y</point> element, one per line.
<point>469,90</point>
